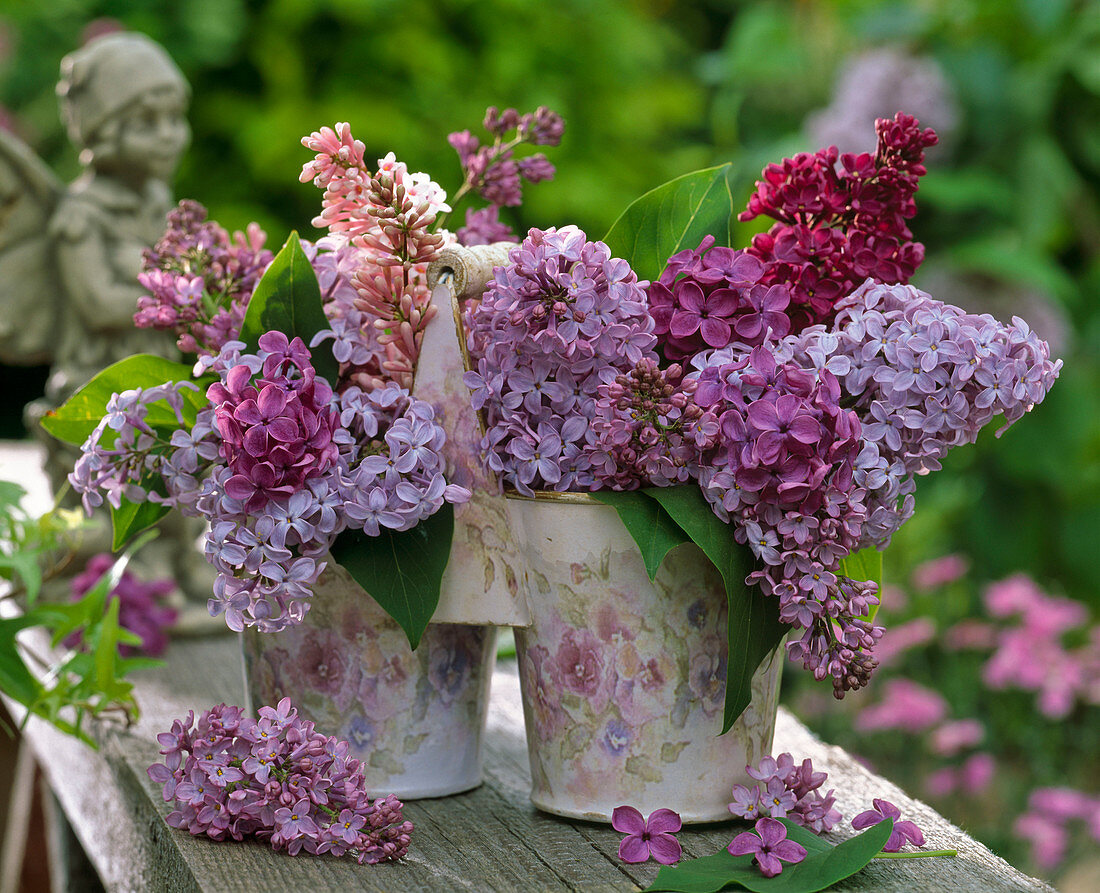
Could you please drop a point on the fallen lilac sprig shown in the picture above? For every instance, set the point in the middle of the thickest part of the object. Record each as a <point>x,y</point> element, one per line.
<point>276,779</point>
<point>647,837</point>
<point>785,790</point>
<point>904,831</point>
<point>769,844</point>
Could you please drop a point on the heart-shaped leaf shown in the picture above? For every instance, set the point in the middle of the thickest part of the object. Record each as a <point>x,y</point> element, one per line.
<point>77,417</point>
<point>402,571</point>
<point>823,866</point>
<point>651,526</point>
<point>672,217</point>
<point>753,627</point>
<point>287,299</point>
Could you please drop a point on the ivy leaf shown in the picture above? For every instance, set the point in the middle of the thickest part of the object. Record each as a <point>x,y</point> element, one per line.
<point>287,299</point>
<point>78,416</point>
<point>753,627</point>
<point>866,564</point>
<point>651,526</point>
<point>402,571</point>
<point>672,217</point>
<point>823,866</point>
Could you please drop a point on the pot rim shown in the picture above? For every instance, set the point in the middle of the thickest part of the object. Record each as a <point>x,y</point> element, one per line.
<point>574,497</point>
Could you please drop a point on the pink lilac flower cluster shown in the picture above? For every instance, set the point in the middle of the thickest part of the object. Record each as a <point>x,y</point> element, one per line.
<point>276,779</point>
<point>562,318</point>
<point>1028,644</point>
<point>786,790</point>
<point>782,469</point>
<point>493,172</point>
<point>769,847</point>
<point>835,228</point>
<point>279,466</point>
<point>389,215</point>
<point>1047,823</point>
<point>201,279</point>
<point>141,608</point>
<point>711,297</point>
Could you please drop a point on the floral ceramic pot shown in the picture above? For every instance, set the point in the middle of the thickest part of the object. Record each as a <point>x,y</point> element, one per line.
<point>415,719</point>
<point>623,678</point>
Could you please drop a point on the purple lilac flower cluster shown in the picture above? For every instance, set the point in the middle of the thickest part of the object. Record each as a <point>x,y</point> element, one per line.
<point>561,319</point>
<point>925,377</point>
<point>904,831</point>
<point>645,428</point>
<point>141,608</point>
<point>712,296</point>
<point>492,170</point>
<point>277,779</point>
<point>769,847</point>
<point>279,466</point>
<point>786,790</point>
<point>782,469</point>
<point>201,279</point>
<point>123,453</point>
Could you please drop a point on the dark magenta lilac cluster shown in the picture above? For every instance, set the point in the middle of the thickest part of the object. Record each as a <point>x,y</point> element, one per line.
<point>276,779</point>
<point>200,279</point>
<point>279,466</point>
<point>838,224</point>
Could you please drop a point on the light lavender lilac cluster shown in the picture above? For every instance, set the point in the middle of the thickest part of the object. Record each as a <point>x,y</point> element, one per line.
<point>786,790</point>
<point>925,376</point>
<point>276,779</point>
<point>279,466</point>
<point>560,320</point>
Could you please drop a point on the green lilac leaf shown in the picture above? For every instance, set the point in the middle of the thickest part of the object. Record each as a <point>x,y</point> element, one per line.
<point>672,217</point>
<point>287,299</point>
<point>753,625</point>
<point>866,564</point>
<point>402,571</point>
<point>131,518</point>
<point>823,866</point>
<point>651,526</point>
<point>16,680</point>
<point>78,416</point>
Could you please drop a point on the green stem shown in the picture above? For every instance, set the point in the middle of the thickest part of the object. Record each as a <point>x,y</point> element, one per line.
<point>920,855</point>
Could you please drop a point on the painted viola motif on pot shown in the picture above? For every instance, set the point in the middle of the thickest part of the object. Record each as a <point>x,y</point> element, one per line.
<point>623,678</point>
<point>414,718</point>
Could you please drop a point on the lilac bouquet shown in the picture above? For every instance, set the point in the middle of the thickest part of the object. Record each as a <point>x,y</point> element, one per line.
<point>789,392</point>
<point>295,436</point>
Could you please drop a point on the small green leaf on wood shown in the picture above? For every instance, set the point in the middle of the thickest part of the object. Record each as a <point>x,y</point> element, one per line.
<point>402,571</point>
<point>672,217</point>
<point>753,622</point>
<point>823,866</point>
<point>287,299</point>
<point>651,526</point>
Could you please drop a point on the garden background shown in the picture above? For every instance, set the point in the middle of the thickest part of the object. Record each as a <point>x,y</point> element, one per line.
<point>1009,703</point>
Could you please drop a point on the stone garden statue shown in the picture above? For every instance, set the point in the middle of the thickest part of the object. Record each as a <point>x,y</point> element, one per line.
<point>70,255</point>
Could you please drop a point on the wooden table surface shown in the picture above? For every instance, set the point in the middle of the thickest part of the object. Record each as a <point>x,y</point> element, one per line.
<point>489,839</point>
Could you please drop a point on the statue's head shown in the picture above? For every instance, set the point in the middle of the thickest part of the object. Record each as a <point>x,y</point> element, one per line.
<point>124,102</point>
